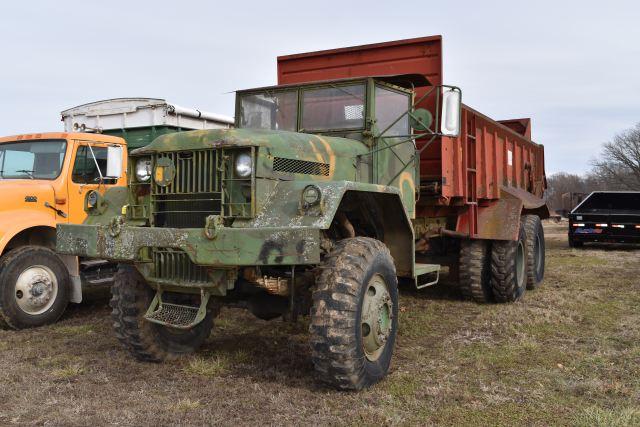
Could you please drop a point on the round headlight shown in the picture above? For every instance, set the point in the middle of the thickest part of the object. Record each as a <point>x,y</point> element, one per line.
<point>243,165</point>
<point>311,196</point>
<point>143,169</point>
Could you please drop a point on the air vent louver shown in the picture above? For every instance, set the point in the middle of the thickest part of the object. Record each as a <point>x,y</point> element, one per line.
<point>281,164</point>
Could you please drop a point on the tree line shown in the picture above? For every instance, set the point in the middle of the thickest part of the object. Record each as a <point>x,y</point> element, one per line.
<point>617,168</point>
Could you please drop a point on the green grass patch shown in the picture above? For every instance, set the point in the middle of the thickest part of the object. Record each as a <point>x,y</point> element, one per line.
<point>601,417</point>
<point>185,405</point>
<point>207,367</point>
<point>403,387</point>
<point>68,372</point>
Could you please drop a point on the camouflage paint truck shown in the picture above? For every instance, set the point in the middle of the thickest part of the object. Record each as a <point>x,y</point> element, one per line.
<point>316,204</point>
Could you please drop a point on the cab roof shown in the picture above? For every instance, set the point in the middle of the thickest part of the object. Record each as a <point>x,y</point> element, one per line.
<point>407,81</point>
<point>61,135</point>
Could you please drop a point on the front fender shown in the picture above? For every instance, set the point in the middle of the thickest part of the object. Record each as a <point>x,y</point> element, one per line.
<point>282,206</point>
<point>14,221</point>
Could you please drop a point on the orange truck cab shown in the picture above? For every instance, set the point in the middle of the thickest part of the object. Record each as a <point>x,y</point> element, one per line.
<point>44,181</point>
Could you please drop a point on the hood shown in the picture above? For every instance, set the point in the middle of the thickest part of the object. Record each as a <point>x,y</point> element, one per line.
<point>202,139</point>
<point>21,194</point>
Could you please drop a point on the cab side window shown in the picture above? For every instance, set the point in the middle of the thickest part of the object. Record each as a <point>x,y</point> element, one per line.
<point>85,170</point>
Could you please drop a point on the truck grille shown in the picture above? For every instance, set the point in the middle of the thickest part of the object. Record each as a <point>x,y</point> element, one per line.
<point>175,265</point>
<point>193,194</point>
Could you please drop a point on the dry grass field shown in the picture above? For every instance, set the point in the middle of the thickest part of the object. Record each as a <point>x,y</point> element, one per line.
<point>568,354</point>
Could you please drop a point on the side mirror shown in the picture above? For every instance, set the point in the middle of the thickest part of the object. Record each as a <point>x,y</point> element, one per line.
<point>114,161</point>
<point>451,107</point>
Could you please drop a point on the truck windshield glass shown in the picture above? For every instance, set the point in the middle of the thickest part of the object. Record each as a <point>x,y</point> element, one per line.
<point>269,110</point>
<point>390,105</point>
<point>333,108</point>
<point>40,159</point>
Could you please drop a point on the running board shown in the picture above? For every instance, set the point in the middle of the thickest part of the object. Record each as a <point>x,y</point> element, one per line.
<point>176,315</point>
<point>423,269</point>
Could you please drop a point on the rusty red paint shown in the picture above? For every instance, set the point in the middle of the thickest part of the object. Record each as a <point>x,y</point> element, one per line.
<point>470,170</point>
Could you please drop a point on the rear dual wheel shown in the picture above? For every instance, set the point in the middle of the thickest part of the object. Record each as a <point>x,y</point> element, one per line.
<point>508,268</point>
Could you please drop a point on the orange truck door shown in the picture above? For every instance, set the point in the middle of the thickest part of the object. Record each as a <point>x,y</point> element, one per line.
<point>85,176</point>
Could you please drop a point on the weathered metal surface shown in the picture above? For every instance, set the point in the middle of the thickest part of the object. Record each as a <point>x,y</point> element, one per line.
<point>231,247</point>
<point>458,174</point>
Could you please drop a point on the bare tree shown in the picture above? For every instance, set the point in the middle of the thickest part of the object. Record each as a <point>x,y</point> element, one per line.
<point>618,167</point>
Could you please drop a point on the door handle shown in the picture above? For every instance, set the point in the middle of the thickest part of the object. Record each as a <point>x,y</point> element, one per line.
<point>58,211</point>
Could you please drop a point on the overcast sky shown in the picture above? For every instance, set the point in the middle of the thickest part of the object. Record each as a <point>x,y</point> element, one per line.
<point>572,66</point>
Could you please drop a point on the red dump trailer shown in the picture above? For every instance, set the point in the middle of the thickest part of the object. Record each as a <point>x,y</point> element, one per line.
<point>482,185</point>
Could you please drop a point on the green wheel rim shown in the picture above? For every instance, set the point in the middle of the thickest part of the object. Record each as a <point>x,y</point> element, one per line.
<point>376,319</point>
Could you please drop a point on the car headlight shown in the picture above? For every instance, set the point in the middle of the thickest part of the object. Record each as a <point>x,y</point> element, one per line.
<point>143,169</point>
<point>243,165</point>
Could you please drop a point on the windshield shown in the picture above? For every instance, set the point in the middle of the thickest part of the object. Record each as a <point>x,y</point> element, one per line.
<point>270,110</point>
<point>41,159</point>
<point>336,107</point>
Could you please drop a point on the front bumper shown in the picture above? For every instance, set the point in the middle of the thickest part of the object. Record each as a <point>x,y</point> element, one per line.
<point>229,248</point>
<point>604,236</point>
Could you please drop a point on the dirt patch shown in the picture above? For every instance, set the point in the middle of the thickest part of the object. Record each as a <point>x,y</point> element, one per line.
<point>568,354</point>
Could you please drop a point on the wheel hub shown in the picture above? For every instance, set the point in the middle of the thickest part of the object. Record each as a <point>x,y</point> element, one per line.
<point>376,319</point>
<point>36,289</point>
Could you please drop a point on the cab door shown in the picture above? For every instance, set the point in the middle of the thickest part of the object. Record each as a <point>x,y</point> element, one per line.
<point>87,173</point>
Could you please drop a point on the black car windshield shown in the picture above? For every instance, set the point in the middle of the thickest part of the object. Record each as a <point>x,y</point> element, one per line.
<point>41,159</point>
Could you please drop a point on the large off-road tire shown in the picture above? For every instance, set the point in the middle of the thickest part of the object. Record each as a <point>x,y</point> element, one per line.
<point>475,270</point>
<point>508,268</point>
<point>146,341</point>
<point>34,287</point>
<point>354,318</point>
<point>535,250</point>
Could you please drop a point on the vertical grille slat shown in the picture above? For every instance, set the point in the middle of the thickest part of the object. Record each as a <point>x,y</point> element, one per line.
<point>192,195</point>
<point>174,264</point>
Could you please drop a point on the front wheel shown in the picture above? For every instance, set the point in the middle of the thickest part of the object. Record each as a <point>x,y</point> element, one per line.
<point>354,319</point>
<point>34,288</point>
<point>146,341</point>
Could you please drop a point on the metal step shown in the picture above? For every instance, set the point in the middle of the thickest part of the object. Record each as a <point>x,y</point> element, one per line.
<point>101,281</point>
<point>422,269</point>
<point>89,263</point>
<point>176,315</point>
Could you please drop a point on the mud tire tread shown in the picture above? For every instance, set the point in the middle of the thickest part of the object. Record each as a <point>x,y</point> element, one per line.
<point>533,227</point>
<point>503,270</point>
<point>129,302</point>
<point>335,313</point>
<point>475,271</point>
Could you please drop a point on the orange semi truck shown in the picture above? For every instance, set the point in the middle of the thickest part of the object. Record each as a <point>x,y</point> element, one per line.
<point>44,181</point>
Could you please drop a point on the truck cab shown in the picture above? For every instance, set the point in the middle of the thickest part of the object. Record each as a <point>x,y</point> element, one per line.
<point>44,179</point>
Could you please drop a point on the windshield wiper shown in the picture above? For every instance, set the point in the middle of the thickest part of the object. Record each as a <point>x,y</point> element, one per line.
<point>28,172</point>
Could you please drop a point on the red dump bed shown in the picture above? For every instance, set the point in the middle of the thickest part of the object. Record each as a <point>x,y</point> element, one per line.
<point>459,171</point>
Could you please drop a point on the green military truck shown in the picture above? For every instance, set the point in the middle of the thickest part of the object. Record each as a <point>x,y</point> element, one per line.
<point>314,204</point>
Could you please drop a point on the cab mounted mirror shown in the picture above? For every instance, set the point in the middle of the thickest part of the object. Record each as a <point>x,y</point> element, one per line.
<point>114,161</point>
<point>451,107</point>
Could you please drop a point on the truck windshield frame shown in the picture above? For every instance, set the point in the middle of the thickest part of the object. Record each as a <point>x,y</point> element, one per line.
<point>41,159</point>
<point>337,107</point>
